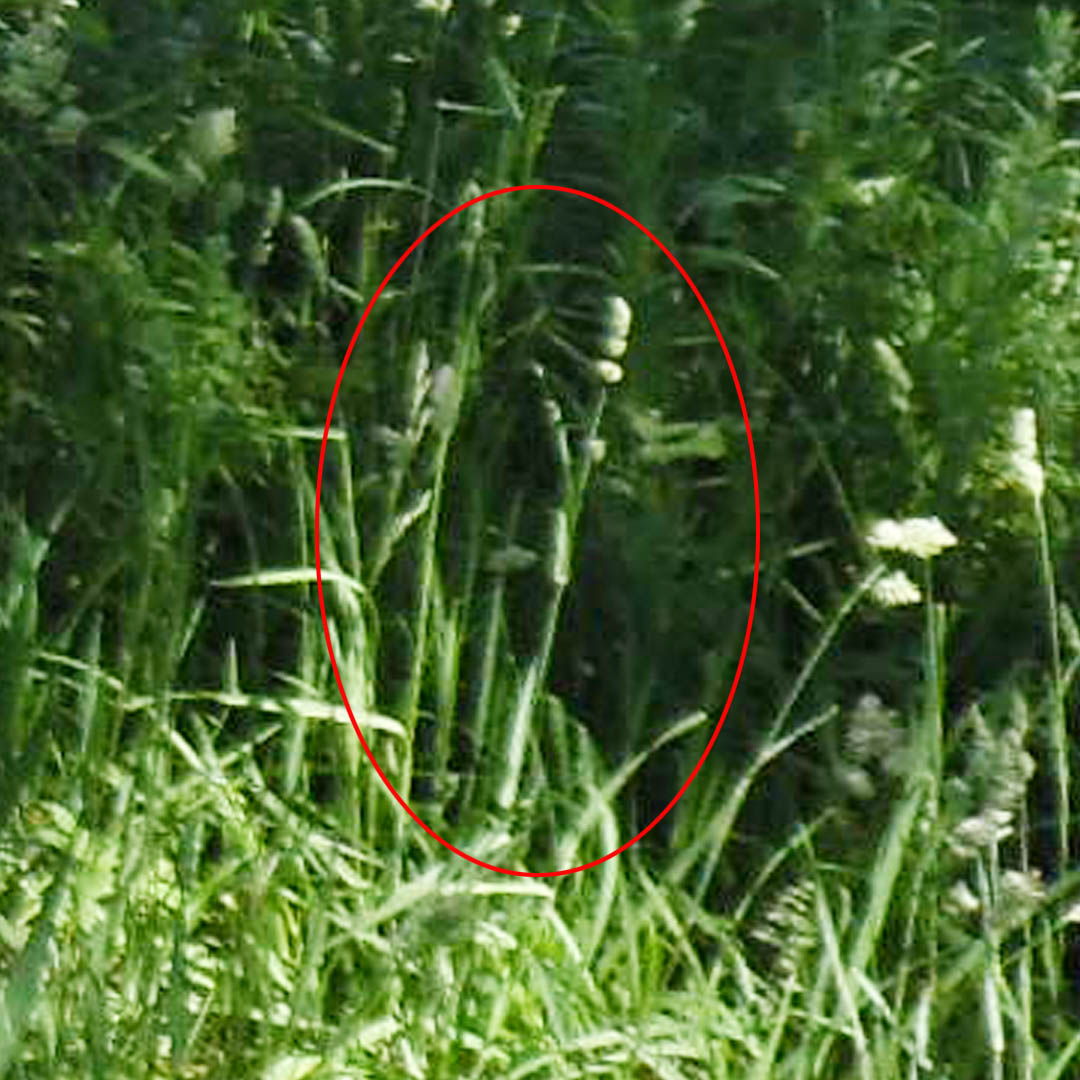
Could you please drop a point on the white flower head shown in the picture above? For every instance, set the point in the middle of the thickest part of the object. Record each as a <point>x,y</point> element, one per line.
<point>1024,467</point>
<point>922,537</point>
<point>896,590</point>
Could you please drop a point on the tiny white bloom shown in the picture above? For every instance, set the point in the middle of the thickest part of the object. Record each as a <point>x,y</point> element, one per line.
<point>922,537</point>
<point>511,24</point>
<point>896,590</point>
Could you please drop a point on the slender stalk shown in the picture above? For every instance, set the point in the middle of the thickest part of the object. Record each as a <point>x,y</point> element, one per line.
<point>1059,728</point>
<point>564,522</point>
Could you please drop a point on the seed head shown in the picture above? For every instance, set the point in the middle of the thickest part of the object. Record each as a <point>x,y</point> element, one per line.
<point>616,319</point>
<point>1024,468</point>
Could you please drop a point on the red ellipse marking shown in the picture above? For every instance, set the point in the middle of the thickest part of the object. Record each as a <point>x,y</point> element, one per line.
<point>757,530</point>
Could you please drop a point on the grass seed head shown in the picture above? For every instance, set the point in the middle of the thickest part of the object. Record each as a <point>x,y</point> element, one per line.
<point>615,321</point>
<point>608,372</point>
<point>1024,468</point>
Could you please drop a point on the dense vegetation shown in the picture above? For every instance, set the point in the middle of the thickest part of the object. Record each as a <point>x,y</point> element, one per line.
<point>537,539</point>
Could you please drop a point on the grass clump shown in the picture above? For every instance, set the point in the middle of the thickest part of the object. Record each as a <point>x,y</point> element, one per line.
<point>534,536</point>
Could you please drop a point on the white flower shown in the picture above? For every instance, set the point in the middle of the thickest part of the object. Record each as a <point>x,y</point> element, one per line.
<point>1024,467</point>
<point>511,24</point>
<point>896,590</point>
<point>922,537</point>
<point>440,7</point>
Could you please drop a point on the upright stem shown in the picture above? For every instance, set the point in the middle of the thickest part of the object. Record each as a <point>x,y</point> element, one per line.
<point>1059,732</point>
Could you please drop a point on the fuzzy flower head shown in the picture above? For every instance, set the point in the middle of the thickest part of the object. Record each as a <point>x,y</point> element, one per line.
<point>922,537</point>
<point>1024,468</point>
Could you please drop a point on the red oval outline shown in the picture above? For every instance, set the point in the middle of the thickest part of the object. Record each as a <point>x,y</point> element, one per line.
<point>757,530</point>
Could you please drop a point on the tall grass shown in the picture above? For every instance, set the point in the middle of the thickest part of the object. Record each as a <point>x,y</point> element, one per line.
<point>533,543</point>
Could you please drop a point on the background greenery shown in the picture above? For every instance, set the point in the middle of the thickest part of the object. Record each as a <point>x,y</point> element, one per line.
<point>537,578</point>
